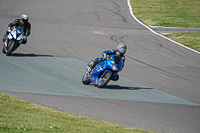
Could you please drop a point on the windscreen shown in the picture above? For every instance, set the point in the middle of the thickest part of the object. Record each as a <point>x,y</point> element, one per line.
<point>117,59</point>
<point>20,29</point>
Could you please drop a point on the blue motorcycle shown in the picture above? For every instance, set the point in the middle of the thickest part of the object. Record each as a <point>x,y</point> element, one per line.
<point>103,72</point>
<point>13,40</point>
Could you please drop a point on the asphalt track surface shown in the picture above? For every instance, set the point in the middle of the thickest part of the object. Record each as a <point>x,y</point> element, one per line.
<point>158,90</point>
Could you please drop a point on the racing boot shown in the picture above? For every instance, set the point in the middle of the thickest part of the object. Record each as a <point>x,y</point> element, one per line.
<point>4,39</point>
<point>3,49</point>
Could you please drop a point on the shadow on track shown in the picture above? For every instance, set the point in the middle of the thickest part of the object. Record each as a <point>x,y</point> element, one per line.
<point>28,55</point>
<point>117,87</point>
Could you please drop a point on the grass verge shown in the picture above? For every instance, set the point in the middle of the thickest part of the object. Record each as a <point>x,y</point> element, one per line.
<point>18,116</point>
<point>168,13</point>
<point>189,39</point>
<point>171,13</point>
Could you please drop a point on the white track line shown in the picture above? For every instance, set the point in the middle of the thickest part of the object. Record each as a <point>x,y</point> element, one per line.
<point>131,12</point>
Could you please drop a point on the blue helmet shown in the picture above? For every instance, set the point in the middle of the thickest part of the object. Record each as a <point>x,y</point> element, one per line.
<point>122,48</point>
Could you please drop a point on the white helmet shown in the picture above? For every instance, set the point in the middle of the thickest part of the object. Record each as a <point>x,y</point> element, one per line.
<point>122,48</point>
<point>24,19</point>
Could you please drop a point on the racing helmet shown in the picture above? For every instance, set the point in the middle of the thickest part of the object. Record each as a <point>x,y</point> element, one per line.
<point>122,48</point>
<point>24,19</point>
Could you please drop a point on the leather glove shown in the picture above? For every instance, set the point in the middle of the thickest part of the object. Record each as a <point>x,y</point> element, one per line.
<point>104,56</point>
<point>8,30</point>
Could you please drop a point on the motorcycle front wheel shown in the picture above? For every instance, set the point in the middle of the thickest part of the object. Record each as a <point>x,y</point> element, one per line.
<point>85,79</point>
<point>11,47</point>
<point>104,79</point>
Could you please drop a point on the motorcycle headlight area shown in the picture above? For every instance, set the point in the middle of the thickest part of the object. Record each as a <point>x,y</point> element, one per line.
<point>114,67</point>
<point>14,34</point>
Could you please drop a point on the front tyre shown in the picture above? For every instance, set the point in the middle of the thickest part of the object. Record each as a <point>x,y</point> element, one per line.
<point>104,79</point>
<point>11,47</point>
<point>85,79</point>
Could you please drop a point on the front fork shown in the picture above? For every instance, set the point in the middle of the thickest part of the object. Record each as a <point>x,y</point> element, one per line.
<point>6,43</point>
<point>8,38</point>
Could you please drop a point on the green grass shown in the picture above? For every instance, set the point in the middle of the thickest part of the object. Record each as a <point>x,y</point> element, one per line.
<point>191,40</point>
<point>171,13</point>
<point>18,116</point>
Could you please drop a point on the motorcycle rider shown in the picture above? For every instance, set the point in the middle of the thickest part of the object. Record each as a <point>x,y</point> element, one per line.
<point>120,51</point>
<point>22,22</point>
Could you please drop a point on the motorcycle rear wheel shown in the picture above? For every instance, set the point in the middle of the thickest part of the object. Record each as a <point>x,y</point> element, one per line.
<point>11,47</point>
<point>104,79</point>
<point>85,79</point>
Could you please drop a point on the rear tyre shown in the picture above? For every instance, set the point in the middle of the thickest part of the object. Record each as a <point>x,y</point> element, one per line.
<point>85,79</point>
<point>104,79</point>
<point>11,47</point>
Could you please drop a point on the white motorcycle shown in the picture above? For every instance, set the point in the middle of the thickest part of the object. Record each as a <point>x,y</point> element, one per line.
<point>13,40</point>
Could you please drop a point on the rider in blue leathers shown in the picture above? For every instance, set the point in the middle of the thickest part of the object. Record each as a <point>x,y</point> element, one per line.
<point>120,51</point>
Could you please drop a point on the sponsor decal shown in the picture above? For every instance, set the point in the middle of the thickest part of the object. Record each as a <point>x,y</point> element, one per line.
<point>99,69</point>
